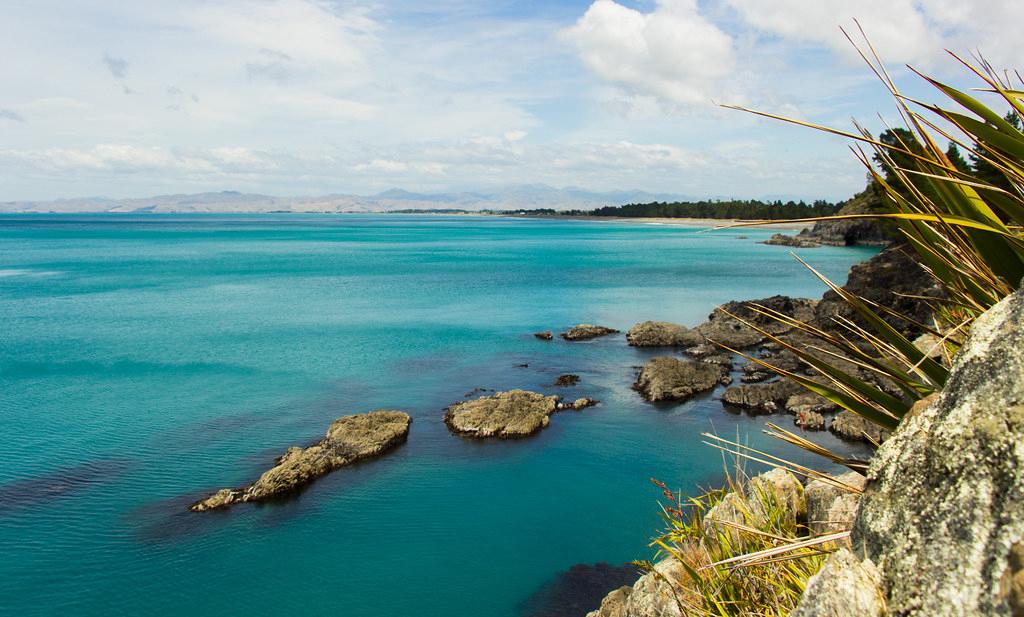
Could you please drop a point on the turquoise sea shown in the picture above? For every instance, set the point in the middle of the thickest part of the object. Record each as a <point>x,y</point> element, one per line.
<point>146,360</point>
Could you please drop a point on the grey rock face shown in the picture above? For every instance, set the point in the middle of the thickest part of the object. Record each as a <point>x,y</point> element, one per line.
<point>672,379</point>
<point>349,439</point>
<point>844,587</point>
<point>943,511</point>
<point>662,334</point>
<point>653,595</point>
<point>586,331</point>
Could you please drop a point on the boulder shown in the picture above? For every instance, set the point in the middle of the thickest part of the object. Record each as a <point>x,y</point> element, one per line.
<point>844,587</point>
<point>800,241</point>
<point>777,484</point>
<point>673,379</point>
<point>349,439</point>
<point>544,336</point>
<point>942,514</point>
<point>586,331</point>
<point>852,427</point>
<point>831,508</point>
<point>613,604</point>
<point>662,334</point>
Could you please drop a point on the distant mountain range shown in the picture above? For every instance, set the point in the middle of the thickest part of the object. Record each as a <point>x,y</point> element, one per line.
<point>516,197</point>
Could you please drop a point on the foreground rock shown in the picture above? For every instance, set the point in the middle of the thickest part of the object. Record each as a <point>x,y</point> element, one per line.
<point>349,439</point>
<point>942,516</point>
<point>507,415</point>
<point>673,379</point>
<point>586,331</point>
<point>832,508</point>
<point>662,334</point>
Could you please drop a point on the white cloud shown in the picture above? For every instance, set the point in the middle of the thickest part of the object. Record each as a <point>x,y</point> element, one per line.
<point>903,31</point>
<point>673,52</point>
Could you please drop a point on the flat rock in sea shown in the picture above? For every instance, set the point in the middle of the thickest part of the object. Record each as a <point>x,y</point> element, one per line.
<point>586,331</point>
<point>662,334</point>
<point>673,379</point>
<point>349,439</point>
<point>544,336</point>
<point>507,415</point>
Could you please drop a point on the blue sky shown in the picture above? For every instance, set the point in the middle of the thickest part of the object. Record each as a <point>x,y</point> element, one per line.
<point>304,97</point>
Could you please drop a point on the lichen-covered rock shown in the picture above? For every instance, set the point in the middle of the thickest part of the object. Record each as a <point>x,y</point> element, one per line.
<point>672,379</point>
<point>655,593</point>
<point>586,331</point>
<point>943,509</point>
<point>844,587</point>
<point>662,334</point>
<point>831,508</point>
<point>613,604</point>
<point>515,413</point>
<point>349,439</point>
<point>768,397</point>
<point>853,427</point>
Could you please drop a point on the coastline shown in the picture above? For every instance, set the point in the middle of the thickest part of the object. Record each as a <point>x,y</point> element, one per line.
<point>677,222</point>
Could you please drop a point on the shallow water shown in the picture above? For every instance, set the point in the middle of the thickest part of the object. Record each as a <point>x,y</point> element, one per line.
<point>147,360</point>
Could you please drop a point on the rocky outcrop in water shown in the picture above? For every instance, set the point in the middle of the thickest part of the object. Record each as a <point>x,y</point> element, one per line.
<point>942,516</point>
<point>662,334</point>
<point>853,427</point>
<point>762,398</point>
<point>674,379</point>
<point>586,331</point>
<point>567,380</point>
<point>544,336</point>
<point>349,439</point>
<point>507,415</point>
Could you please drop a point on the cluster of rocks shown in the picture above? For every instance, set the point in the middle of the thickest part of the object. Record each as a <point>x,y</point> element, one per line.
<point>821,506</point>
<point>508,415</point>
<point>349,439</point>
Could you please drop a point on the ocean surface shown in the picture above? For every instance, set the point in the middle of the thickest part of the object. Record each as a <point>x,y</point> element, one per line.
<point>148,360</point>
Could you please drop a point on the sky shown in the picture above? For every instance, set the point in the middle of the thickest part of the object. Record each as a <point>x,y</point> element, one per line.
<point>312,97</point>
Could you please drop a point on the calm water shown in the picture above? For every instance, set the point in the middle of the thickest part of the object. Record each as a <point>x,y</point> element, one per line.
<point>145,361</point>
